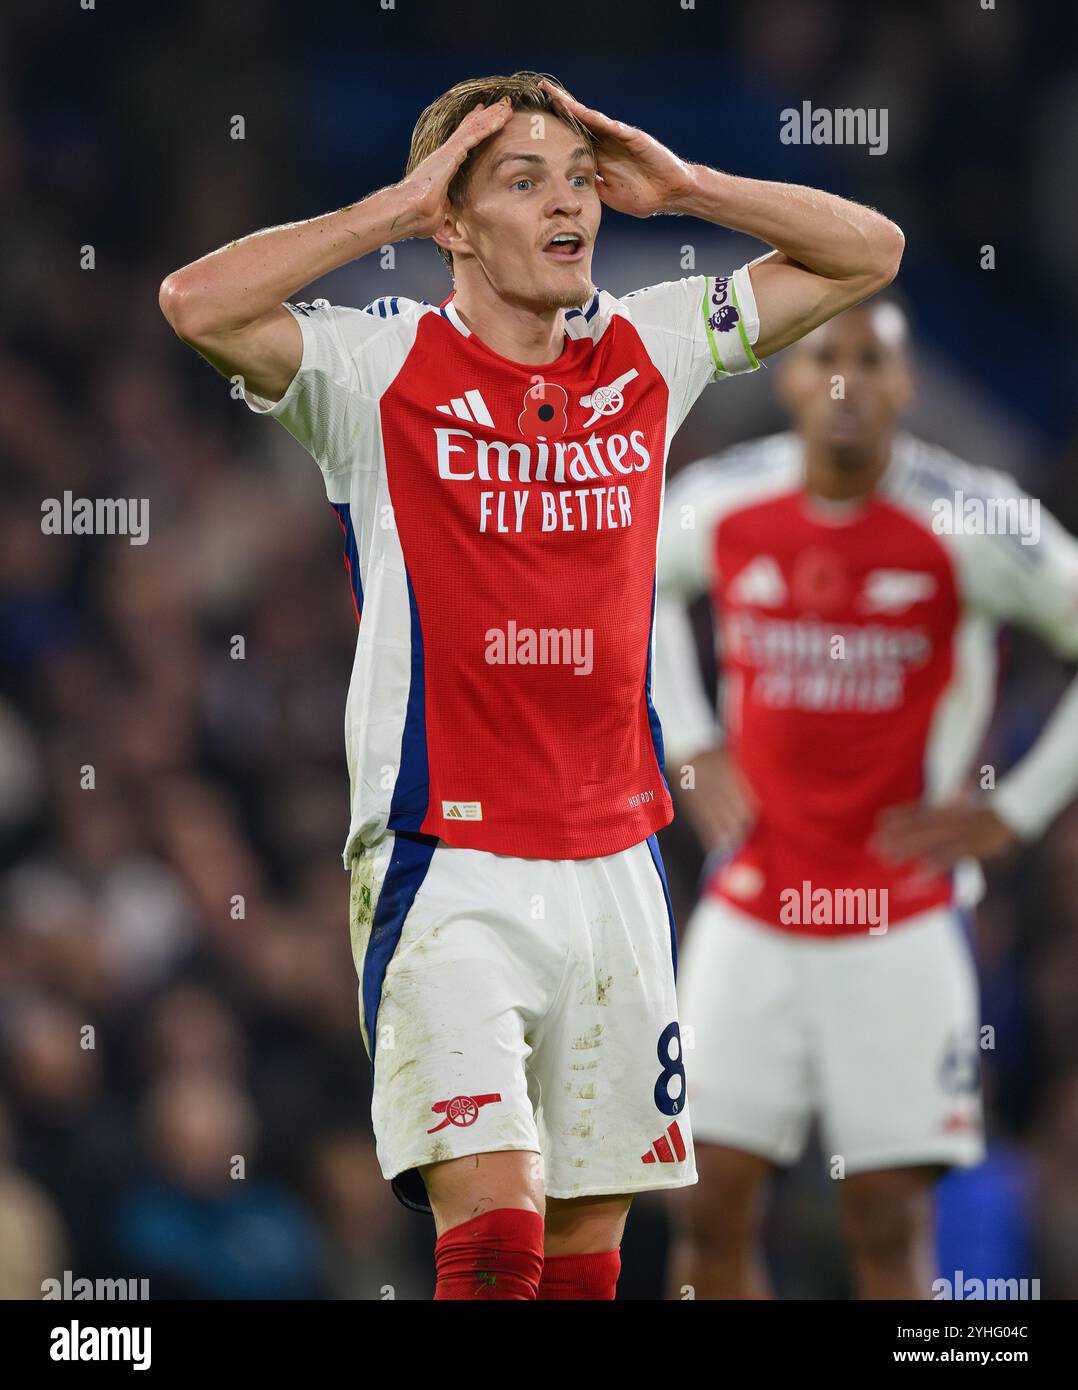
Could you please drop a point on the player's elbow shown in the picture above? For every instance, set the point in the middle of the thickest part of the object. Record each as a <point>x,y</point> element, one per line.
<point>889,244</point>
<point>183,308</point>
<point>174,303</point>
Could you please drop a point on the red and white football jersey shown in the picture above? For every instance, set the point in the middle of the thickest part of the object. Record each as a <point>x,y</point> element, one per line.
<point>858,652</point>
<point>501,523</point>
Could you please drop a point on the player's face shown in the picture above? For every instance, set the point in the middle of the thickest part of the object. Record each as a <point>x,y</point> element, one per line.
<point>533,181</point>
<point>846,383</point>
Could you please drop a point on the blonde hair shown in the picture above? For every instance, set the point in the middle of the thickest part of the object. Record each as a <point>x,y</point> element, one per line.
<point>441,118</point>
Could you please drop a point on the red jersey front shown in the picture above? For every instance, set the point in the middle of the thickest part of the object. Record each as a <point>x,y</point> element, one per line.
<point>501,523</point>
<point>836,644</point>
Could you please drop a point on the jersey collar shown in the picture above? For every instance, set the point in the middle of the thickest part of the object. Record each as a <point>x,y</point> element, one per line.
<point>449,311</point>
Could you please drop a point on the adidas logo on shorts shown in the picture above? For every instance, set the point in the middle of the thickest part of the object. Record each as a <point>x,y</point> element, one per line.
<point>668,1148</point>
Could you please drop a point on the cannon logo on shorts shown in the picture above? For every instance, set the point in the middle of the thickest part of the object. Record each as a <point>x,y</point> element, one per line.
<point>461,1110</point>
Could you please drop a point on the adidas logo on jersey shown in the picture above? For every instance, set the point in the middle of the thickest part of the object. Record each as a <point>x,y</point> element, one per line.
<point>462,810</point>
<point>478,413</point>
<point>668,1148</point>
<point>760,583</point>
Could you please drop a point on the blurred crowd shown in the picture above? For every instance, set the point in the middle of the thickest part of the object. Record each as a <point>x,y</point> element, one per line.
<point>183,1088</point>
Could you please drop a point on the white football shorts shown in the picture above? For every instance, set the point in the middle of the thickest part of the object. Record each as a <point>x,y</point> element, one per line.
<point>521,1004</point>
<point>876,1036</point>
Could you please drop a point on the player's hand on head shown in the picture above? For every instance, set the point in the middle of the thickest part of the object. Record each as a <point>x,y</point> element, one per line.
<point>637,175</point>
<point>428,183</point>
<point>940,836</point>
<point>720,804</point>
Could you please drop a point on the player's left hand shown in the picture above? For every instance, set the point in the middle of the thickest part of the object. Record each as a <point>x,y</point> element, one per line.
<point>637,175</point>
<point>941,835</point>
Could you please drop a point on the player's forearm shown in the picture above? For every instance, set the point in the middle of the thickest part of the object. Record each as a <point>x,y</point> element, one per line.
<point>828,235</point>
<point>1036,789</point>
<point>235,286</point>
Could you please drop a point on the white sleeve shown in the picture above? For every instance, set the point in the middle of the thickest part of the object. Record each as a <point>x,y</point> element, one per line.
<point>1025,573</point>
<point>686,546</point>
<point>1028,576</point>
<point>691,509</point>
<point>697,330</point>
<point>350,357</point>
<point>681,701</point>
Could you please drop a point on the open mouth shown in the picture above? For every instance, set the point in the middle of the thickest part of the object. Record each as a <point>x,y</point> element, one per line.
<point>564,247</point>
<point>846,418</point>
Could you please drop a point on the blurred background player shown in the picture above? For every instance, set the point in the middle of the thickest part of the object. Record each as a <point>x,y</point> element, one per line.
<point>857,577</point>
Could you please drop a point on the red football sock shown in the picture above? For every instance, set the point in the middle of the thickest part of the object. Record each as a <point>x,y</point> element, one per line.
<point>580,1276</point>
<point>497,1255</point>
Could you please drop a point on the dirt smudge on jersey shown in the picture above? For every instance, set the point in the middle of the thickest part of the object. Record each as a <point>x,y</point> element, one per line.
<point>592,1038</point>
<point>440,1152</point>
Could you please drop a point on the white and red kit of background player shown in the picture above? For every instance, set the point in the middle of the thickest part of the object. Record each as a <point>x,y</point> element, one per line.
<point>858,652</point>
<point>510,919</point>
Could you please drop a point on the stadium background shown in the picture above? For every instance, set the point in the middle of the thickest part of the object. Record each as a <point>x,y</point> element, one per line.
<point>217,777</point>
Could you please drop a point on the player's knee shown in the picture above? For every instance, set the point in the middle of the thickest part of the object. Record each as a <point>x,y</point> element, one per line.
<point>585,1225</point>
<point>462,1188</point>
<point>886,1215</point>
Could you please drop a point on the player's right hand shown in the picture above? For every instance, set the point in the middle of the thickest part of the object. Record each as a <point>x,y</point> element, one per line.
<point>720,805</point>
<point>427,186</point>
